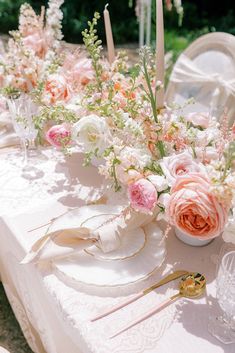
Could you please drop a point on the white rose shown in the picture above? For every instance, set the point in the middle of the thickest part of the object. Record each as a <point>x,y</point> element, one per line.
<point>91,132</point>
<point>159,182</point>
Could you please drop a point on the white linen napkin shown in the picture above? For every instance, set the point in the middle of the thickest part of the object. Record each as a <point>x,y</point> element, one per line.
<point>81,228</point>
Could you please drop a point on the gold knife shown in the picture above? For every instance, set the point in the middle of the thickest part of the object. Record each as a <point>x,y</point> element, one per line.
<point>165,280</point>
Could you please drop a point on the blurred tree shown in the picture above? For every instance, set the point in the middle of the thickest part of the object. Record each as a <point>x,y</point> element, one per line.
<point>200,15</point>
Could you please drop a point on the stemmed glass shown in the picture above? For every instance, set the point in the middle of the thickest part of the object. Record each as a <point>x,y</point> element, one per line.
<point>223,327</point>
<point>22,110</point>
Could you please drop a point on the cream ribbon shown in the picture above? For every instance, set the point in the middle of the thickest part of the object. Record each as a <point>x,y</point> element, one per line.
<point>186,71</point>
<point>71,235</point>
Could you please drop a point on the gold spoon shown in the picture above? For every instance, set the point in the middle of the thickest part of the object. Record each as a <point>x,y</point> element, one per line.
<point>191,285</point>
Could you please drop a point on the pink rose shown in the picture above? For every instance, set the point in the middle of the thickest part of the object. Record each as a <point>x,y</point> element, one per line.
<point>199,119</point>
<point>59,135</point>
<point>179,165</point>
<point>56,89</point>
<point>82,72</point>
<point>142,195</point>
<point>36,42</point>
<point>194,209</point>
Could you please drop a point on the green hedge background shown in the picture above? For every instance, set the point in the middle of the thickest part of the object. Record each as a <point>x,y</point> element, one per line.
<point>201,16</point>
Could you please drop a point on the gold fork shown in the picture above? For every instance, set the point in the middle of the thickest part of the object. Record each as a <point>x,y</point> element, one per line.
<point>168,278</point>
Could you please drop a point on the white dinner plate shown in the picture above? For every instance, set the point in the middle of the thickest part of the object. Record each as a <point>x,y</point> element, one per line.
<point>142,251</point>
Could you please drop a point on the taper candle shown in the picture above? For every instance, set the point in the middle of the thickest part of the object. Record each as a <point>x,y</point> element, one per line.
<point>109,36</point>
<point>160,52</point>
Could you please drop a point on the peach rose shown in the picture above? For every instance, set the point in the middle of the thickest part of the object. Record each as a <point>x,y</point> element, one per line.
<point>199,119</point>
<point>194,209</point>
<point>56,89</point>
<point>82,72</point>
<point>179,165</point>
<point>59,135</point>
<point>142,195</point>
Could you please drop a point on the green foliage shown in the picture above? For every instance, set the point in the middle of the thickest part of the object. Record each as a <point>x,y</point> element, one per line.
<point>93,46</point>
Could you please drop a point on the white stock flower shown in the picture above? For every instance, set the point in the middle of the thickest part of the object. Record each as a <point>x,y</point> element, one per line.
<point>133,160</point>
<point>91,132</point>
<point>136,157</point>
<point>159,182</point>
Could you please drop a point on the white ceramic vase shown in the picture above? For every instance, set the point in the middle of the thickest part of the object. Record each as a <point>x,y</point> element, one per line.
<point>191,240</point>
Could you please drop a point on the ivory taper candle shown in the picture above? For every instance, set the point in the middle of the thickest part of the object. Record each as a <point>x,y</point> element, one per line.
<point>160,67</point>
<point>109,36</point>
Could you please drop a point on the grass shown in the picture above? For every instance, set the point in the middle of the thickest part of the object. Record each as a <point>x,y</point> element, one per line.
<point>11,336</point>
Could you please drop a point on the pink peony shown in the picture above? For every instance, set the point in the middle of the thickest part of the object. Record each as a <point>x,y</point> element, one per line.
<point>56,89</point>
<point>59,135</point>
<point>142,195</point>
<point>194,209</point>
<point>179,165</point>
<point>199,119</point>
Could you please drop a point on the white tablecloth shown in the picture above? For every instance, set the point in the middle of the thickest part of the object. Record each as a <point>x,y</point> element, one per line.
<point>53,315</point>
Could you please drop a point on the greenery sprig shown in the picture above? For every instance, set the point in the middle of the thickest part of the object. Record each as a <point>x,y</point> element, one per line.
<point>94,47</point>
<point>147,68</point>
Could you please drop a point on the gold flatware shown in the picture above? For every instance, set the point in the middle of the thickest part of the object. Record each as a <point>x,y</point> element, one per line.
<point>190,286</point>
<point>169,278</point>
<point>48,223</point>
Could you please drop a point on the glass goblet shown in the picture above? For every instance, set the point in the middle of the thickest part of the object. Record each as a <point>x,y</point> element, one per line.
<point>22,110</point>
<point>223,327</point>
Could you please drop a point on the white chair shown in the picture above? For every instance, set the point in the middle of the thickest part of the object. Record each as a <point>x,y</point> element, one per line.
<point>206,72</point>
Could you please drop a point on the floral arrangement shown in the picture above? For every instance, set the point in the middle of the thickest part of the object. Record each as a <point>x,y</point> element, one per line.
<point>174,166</point>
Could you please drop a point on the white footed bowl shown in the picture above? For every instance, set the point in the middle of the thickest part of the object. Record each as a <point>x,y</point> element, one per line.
<point>190,240</point>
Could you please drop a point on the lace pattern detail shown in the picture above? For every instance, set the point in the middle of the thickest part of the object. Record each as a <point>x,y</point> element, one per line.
<point>78,308</point>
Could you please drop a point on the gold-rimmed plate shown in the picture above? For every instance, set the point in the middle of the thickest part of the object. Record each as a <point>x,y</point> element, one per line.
<point>141,253</point>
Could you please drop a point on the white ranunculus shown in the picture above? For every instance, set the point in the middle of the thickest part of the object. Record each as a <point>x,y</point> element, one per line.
<point>91,132</point>
<point>159,182</point>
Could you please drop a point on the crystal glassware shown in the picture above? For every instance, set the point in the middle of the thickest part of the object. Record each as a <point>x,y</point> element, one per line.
<point>22,110</point>
<point>223,327</point>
